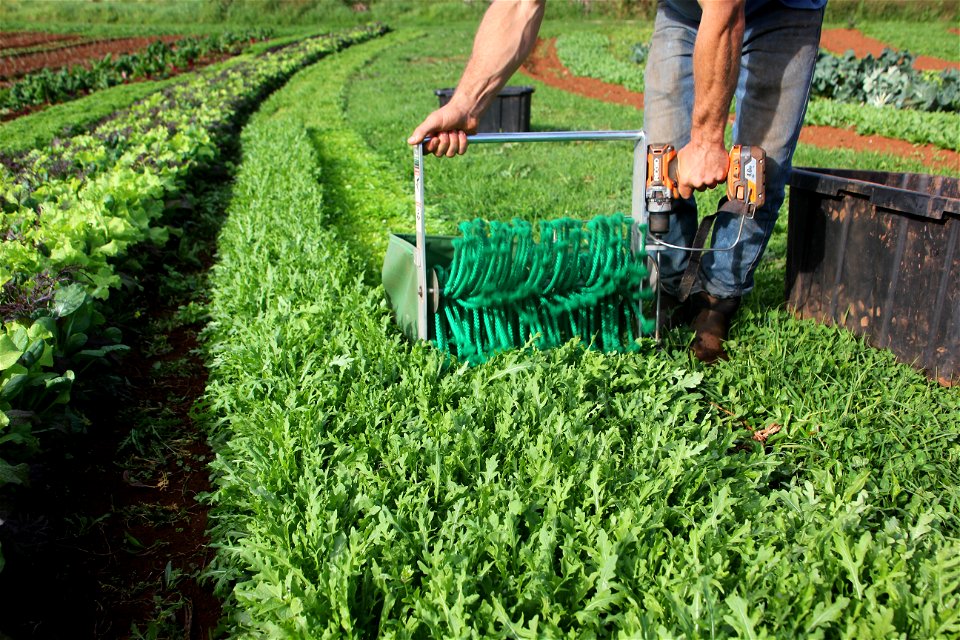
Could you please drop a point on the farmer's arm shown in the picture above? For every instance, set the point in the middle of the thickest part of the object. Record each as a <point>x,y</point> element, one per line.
<point>504,39</point>
<point>716,65</point>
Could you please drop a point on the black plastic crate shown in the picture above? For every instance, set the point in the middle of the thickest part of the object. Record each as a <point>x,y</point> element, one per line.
<point>879,254</point>
<point>509,112</point>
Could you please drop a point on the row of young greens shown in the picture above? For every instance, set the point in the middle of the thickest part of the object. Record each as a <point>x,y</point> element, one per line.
<point>67,119</point>
<point>71,212</point>
<point>938,129</point>
<point>156,60</point>
<point>369,487</point>
<point>588,54</point>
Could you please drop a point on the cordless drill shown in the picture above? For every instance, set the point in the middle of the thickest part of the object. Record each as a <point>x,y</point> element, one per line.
<point>745,182</point>
<point>745,192</point>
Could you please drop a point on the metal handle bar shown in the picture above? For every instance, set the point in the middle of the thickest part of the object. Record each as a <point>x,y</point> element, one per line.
<point>550,136</point>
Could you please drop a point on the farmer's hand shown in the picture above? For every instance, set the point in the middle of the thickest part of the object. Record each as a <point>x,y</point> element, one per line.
<point>504,39</point>
<point>701,167</point>
<point>447,127</point>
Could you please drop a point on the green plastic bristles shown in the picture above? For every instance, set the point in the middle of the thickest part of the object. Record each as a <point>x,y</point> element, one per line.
<point>505,287</point>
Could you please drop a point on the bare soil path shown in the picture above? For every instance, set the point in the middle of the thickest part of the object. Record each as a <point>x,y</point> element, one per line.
<point>15,66</point>
<point>12,39</point>
<point>544,65</point>
<point>839,41</point>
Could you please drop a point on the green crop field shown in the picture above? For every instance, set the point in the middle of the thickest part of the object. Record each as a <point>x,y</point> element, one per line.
<point>364,485</point>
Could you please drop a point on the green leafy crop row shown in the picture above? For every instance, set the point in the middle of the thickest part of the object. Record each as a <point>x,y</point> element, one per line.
<point>369,487</point>
<point>939,129</point>
<point>35,130</point>
<point>157,59</point>
<point>889,79</point>
<point>70,212</point>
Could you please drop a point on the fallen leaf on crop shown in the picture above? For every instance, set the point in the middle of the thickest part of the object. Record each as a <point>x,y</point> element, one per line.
<point>763,434</point>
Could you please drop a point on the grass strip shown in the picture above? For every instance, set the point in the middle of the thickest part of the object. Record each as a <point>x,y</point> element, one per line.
<point>923,38</point>
<point>369,487</point>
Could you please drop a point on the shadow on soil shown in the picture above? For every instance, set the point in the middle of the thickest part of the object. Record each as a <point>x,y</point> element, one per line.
<point>109,541</point>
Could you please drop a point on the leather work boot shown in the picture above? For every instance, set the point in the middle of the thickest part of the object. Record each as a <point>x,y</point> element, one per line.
<point>711,322</point>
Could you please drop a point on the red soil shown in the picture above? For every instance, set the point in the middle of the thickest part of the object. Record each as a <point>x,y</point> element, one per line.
<point>80,54</point>
<point>544,65</point>
<point>840,41</point>
<point>53,45</point>
<point>11,39</point>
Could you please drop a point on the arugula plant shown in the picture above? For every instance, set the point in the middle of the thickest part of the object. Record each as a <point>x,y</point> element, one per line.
<point>366,486</point>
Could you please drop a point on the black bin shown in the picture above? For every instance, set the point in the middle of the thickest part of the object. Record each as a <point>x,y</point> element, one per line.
<point>509,112</point>
<point>879,254</point>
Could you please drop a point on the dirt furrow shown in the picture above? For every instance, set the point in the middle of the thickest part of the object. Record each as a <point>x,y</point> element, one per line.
<point>839,41</point>
<point>13,67</point>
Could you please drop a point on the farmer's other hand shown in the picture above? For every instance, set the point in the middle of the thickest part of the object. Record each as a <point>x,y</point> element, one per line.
<point>700,167</point>
<point>447,128</point>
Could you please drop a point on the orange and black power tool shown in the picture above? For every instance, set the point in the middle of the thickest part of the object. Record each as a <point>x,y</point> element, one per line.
<point>745,182</point>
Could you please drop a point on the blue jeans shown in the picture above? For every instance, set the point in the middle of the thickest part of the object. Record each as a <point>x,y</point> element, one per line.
<point>779,53</point>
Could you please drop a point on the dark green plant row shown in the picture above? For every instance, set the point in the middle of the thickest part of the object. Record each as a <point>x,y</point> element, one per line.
<point>367,487</point>
<point>70,212</point>
<point>156,60</point>
<point>889,79</point>
<point>36,130</point>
